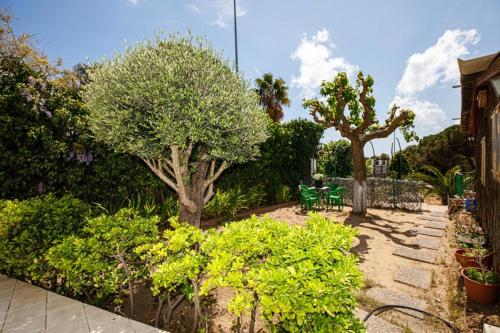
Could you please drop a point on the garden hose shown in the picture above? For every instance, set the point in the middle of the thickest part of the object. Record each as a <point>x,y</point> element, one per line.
<point>393,306</point>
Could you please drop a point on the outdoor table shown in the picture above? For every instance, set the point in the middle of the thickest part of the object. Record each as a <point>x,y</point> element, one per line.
<point>321,192</point>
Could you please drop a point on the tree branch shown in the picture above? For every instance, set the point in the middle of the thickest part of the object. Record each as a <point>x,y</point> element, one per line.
<point>159,172</point>
<point>210,190</point>
<point>368,112</point>
<point>390,127</point>
<point>223,166</point>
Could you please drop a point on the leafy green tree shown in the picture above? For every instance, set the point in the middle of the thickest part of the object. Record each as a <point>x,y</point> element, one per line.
<point>437,182</point>
<point>443,150</point>
<point>400,165</point>
<point>101,263</point>
<point>359,125</point>
<point>298,279</point>
<point>335,159</point>
<point>273,95</point>
<point>181,108</point>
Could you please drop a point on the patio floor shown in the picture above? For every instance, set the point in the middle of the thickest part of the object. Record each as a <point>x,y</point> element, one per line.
<point>26,308</point>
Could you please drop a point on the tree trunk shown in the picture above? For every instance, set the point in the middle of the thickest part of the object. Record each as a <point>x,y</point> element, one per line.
<point>359,189</point>
<point>195,192</point>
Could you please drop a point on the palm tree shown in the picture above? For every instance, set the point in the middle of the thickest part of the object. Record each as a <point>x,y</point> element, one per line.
<point>437,183</point>
<point>273,94</point>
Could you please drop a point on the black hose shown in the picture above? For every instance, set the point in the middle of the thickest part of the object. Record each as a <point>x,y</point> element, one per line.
<point>392,306</point>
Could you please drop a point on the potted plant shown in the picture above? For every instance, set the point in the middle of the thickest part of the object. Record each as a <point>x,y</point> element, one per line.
<point>469,257</point>
<point>318,180</point>
<point>481,285</point>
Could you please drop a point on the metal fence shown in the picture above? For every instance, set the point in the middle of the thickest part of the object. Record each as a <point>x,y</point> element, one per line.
<point>385,192</point>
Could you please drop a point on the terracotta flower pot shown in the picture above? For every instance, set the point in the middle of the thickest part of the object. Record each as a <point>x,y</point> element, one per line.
<point>480,292</point>
<point>468,261</point>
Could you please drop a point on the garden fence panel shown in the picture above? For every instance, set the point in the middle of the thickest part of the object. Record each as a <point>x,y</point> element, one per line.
<point>385,192</point>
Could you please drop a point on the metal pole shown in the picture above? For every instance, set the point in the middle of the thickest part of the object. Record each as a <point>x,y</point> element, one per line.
<point>235,36</point>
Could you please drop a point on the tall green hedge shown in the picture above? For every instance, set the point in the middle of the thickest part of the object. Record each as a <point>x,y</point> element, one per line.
<point>45,145</point>
<point>285,159</point>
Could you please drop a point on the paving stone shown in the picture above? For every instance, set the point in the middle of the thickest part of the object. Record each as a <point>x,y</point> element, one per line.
<point>439,214</point>
<point>415,254</point>
<point>429,232</point>
<point>427,243</point>
<point>26,319</point>
<point>416,277</point>
<point>388,296</point>
<point>431,218</point>
<point>376,324</point>
<point>26,308</point>
<point>435,225</point>
<point>65,312</point>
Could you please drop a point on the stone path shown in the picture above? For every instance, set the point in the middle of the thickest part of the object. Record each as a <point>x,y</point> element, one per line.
<point>376,324</point>
<point>388,296</point>
<point>415,254</point>
<point>416,274</point>
<point>429,232</point>
<point>432,218</point>
<point>427,243</point>
<point>435,225</point>
<point>416,277</point>
<point>26,308</point>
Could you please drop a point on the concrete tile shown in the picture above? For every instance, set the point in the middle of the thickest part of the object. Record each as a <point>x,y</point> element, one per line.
<point>28,319</point>
<point>116,325</point>
<point>435,225</point>
<point>427,243</point>
<point>388,296</point>
<point>143,328</point>
<point>416,277</point>
<point>431,218</point>
<point>429,232</point>
<point>415,254</point>
<point>376,324</point>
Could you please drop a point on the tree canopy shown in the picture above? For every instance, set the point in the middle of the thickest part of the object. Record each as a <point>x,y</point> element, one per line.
<point>443,150</point>
<point>180,107</point>
<point>358,123</point>
<point>273,95</point>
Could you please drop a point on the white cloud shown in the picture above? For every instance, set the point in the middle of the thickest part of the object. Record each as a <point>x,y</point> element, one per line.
<point>194,8</point>
<point>438,63</point>
<point>220,12</point>
<point>317,62</point>
<point>429,117</point>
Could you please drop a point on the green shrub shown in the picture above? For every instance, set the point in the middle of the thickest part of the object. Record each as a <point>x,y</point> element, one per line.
<point>283,194</point>
<point>335,159</point>
<point>175,267</point>
<point>102,263</point>
<point>299,279</point>
<point>285,159</point>
<point>227,203</point>
<point>29,228</point>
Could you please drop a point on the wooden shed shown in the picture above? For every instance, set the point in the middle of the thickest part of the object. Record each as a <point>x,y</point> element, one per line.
<point>480,121</point>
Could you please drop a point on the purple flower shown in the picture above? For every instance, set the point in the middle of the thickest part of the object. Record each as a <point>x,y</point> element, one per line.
<point>85,158</point>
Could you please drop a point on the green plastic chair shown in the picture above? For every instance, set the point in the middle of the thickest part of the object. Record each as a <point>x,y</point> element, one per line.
<point>335,197</point>
<point>308,197</point>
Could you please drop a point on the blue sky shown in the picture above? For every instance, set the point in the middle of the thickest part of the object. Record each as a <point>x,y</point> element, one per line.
<point>410,47</point>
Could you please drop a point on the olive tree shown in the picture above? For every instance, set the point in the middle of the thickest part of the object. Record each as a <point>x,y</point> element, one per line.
<point>179,106</point>
<point>359,124</point>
